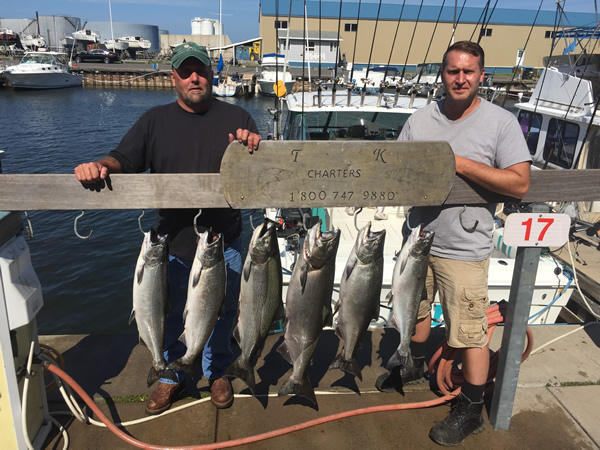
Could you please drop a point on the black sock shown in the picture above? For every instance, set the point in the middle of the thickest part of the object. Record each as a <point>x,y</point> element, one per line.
<point>417,349</point>
<point>473,392</point>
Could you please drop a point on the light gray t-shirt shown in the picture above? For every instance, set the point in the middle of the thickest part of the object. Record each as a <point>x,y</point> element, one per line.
<point>490,135</point>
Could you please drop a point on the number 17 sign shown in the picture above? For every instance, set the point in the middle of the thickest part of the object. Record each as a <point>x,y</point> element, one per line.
<point>536,230</point>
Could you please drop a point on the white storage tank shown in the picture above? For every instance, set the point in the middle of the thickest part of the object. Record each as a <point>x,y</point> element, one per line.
<point>202,26</point>
<point>196,25</point>
<point>218,28</point>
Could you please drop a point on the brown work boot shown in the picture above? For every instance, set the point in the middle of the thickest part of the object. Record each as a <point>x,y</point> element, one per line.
<point>221,392</point>
<point>162,398</point>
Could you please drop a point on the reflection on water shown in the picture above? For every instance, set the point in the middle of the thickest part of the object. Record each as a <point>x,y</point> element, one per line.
<point>86,284</point>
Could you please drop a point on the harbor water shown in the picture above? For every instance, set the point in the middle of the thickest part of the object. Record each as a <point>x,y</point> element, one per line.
<point>86,284</point>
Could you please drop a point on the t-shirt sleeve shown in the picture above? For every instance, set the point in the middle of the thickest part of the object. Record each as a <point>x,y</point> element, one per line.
<point>131,151</point>
<point>512,148</point>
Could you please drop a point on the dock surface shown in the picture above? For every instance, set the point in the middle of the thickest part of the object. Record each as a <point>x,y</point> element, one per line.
<point>556,405</point>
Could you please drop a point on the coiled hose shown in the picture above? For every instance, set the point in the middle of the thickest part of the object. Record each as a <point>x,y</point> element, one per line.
<point>449,380</point>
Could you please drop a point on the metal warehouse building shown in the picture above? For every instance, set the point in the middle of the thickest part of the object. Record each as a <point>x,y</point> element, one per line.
<point>411,34</point>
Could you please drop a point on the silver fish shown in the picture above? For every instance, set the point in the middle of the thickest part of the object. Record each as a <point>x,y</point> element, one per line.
<point>260,300</point>
<point>360,291</point>
<point>408,282</point>
<point>308,306</point>
<point>150,298</point>
<point>205,298</point>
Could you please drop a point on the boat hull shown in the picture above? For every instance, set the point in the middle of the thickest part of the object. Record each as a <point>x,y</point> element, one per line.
<point>267,87</point>
<point>43,80</point>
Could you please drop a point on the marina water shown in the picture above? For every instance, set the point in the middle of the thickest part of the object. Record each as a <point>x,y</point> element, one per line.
<point>86,284</point>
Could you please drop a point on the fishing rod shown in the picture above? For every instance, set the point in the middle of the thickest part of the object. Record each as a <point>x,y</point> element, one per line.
<point>430,94</point>
<point>364,88</point>
<point>455,23</point>
<point>337,57</point>
<point>430,42</point>
<point>319,80</point>
<point>381,87</point>
<point>409,47</point>
<point>521,57</point>
<point>484,26</point>
<point>350,84</point>
<point>557,19</point>
<point>482,15</point>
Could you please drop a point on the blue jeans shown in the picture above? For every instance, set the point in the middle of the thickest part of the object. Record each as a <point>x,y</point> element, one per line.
<point>217,354</point>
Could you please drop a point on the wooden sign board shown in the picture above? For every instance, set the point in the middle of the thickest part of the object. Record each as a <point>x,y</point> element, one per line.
<point>298,174</point>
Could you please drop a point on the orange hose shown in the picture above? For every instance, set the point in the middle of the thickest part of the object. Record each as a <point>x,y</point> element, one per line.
<point>440,365</point>
<point>449,378</point>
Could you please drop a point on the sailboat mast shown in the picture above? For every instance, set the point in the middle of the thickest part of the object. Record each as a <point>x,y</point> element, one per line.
<point>112,34</point>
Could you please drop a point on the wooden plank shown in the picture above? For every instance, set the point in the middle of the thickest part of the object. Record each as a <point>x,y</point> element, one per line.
<point>121,191</point>
<point>294,174</point>
<point>546,186</point>
<point>149,191</point>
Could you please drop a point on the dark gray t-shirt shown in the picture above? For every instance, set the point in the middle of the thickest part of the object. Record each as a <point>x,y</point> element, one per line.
<point>490,135</point>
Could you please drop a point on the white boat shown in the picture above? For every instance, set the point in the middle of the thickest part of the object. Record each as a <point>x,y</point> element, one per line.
<point>312,119</point>
<point>86,36</point>
<point>273,70</point>
<point>33,41</point>
<point>225,86</point>
<point>136,42</point>
<point>42,70</point>
<point>371,80</point>
<point>117,44</point>
<point>562,126</point>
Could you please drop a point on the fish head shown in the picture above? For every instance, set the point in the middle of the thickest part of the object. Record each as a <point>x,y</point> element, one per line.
<point>422,246</point>
<point>369,244</point>
<point>263,244</point>
<point>210,248</point>
<point>154,247</point>
<point>321,247</point>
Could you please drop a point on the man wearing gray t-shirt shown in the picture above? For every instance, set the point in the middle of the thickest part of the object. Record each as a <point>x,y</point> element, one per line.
<point>490,150</point>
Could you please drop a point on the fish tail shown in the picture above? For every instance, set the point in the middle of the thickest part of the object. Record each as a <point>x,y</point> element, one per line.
<point>399,359</point>
<point>349,366</point>
<point>304,389</point>
<point>283,351</point>
<point>242,370</point>
<point>153,375</point>
<point>179,366</point>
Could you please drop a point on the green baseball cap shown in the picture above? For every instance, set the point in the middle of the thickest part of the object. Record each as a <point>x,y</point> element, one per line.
<point>189,50</point>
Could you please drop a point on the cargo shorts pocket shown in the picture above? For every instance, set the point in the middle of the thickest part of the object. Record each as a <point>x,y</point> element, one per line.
<point>473,321</point>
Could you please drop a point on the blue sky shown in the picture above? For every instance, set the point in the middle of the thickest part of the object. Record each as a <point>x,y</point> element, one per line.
<point>240,17</point>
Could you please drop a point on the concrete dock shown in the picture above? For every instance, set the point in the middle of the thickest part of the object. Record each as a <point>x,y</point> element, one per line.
<point>556,405</point>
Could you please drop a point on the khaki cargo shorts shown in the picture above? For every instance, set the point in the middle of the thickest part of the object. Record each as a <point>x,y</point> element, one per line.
<point>463,289</point>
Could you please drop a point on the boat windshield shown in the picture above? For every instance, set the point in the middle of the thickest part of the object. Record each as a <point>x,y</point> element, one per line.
<point>328,125</point>
<point>38,58</point>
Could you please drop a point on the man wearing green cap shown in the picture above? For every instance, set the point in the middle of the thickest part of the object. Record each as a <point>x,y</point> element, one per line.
<point>188,136</point>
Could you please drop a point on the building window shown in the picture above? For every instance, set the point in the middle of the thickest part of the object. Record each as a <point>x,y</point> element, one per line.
<point>486,32</point>
<point>351,27</point>
<point>549,34</point>
<point>281,24</point>
<point>311,46</point>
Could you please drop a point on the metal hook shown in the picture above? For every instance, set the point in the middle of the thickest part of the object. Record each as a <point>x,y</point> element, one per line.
<point>356,213</point>
<point>196,218</point>
<point>140,221</point>
<point>75,227</point>
<point>29,227</point>
<point>460,218</point>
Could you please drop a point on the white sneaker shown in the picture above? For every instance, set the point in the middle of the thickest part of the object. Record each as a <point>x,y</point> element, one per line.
<point>350,210</point>
<point>380,216</point>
